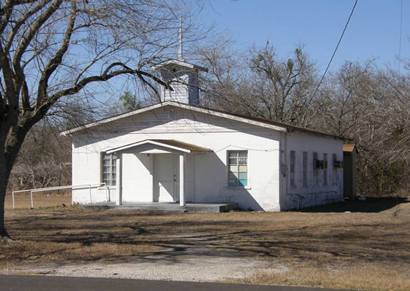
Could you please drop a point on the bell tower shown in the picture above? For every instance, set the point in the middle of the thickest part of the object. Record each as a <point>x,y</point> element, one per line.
<point>183,77</point>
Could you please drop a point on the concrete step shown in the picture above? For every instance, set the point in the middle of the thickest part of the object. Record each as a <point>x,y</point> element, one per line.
<point>175,207</point>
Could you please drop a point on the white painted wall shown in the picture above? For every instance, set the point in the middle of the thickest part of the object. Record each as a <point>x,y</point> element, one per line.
<point>86,171</point>
<point>184,83</point>
<point>137,179</point>
<point>206,173</point>
<point>315,192</point>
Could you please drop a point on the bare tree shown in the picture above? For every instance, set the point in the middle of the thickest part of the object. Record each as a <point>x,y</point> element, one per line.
<point>371,107</point>
<point>51,49</point>
<point>367,105</point>
<point>263,85</point>
<point>44,159</point>
<point>225,77</point>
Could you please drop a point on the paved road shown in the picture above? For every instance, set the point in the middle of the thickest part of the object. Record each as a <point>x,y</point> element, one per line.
<point>41,283</point>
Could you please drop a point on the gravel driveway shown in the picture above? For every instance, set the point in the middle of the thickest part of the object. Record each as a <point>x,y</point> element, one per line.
<point>184,268</point>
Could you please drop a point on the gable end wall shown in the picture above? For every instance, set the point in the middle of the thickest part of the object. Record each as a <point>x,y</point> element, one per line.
<point>206,173</point>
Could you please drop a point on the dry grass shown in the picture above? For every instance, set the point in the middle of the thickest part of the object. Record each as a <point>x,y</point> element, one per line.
<point>369,276</point>
<point>41,200</point>
<point>334,249</point>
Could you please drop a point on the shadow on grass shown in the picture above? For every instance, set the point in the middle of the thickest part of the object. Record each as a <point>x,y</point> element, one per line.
<point>105,236</point>
<point>370,205</point>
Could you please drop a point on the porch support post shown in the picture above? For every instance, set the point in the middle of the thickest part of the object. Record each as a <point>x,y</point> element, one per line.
<point>118,200</point>
<point>181,180</point>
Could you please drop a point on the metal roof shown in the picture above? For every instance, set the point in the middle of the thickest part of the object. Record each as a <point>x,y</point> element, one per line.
<point>349,147</point>
<point>275,125</point>
<point>179,63</point>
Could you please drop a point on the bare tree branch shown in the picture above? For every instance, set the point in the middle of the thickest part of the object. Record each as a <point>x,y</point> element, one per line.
<point>22,20</point>
<point>58,57</point>
<point>33,29</point>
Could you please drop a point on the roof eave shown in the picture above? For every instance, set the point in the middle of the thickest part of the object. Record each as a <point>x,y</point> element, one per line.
<point>284,128</point>
<point>178,105</point>
<point>230,116</point>
<point>113,118</point>
<point>169,144</point>
<point>179,63</point>
<point>315,132</point>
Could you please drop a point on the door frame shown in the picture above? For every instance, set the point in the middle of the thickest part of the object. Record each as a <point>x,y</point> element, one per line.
<point>174,176</point>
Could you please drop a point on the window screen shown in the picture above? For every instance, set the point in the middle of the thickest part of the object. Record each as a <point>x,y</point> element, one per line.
<point>292,168</point>
<point>305,169</point>
<point>325,173</point>
<point>334,170</point>
<point>315,168</point>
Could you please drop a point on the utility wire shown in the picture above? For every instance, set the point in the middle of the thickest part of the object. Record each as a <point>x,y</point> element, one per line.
<point>336,48</point>
<point>401,34</point>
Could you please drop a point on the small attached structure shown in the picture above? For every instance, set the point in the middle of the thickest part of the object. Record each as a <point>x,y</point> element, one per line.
<point>178,152</point>
<point>349,170</point>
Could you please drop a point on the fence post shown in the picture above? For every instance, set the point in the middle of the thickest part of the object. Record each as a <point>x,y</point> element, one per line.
<point>12,199</point>
<point>31,199</point>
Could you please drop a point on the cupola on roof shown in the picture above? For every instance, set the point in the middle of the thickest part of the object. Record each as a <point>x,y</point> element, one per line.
<point>182,76</point>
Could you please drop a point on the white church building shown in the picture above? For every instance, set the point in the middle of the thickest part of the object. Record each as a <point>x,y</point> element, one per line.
<point>179,152</point>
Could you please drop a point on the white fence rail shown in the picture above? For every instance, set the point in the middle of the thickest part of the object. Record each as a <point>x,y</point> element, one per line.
<point>48,189</point>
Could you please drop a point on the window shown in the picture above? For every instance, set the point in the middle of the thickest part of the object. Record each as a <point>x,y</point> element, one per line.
<point>334,169</point>
<point>109,169</point>
<point>305,169</point>
<point>325,169</point>
<point>292,168</point>
<point>315,168</point>
<point>238,168</point>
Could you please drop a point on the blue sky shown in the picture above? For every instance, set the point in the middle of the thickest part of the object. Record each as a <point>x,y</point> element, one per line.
<point>373,33</point>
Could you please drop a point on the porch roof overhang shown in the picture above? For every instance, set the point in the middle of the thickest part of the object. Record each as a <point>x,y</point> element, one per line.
<point>170,144</point>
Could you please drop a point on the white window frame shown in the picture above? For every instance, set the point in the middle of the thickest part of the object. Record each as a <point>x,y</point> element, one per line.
<point>112,173</point>
<point>229,185</point>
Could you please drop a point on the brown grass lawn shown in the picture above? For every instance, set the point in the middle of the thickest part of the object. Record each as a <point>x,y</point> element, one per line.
<point>360,250</point>
<point>41,200</point>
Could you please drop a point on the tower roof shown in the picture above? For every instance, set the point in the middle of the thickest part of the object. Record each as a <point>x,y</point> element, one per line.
<point>178,63</point>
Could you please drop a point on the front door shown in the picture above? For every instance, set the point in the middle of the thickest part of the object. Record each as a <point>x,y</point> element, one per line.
<point>166,178</point>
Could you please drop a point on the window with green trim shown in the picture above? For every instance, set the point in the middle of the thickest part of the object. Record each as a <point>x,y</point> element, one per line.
<point>238,168</point>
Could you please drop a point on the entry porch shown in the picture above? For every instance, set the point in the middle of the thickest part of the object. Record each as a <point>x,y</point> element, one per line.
<point>154,172</point>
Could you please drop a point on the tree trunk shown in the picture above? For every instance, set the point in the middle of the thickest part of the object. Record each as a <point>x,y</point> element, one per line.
<point>4,176</point>
<point>10,143</point>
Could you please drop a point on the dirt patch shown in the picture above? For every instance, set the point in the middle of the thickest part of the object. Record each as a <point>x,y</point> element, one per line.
<point>333,249</point>
<point>186,268</point>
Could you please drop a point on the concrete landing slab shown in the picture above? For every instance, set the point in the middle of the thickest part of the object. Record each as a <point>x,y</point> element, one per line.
<point>175,207</point>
